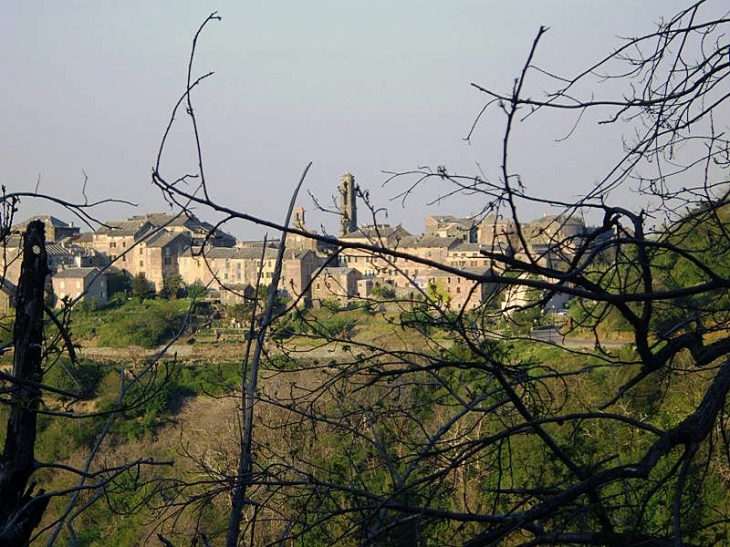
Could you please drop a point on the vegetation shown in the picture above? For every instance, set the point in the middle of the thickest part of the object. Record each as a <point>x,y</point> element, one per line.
<point>413,423</point>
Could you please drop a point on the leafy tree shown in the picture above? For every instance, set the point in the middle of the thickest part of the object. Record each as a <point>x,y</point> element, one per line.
<point>172,286</point>
<point>141,288</point>
<point>196,291</point>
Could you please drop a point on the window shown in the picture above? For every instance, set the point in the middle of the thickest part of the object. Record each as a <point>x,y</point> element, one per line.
<point>141,250</point>
<point>113,245</point>
<point>141,263</point>
<point>168,260</point>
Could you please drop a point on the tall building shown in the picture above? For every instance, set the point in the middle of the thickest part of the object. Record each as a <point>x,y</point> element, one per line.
<point>348,207</point>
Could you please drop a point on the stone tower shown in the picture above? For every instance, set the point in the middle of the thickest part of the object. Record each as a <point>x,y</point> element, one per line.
<point>348,207</point>
<point>299,218</point>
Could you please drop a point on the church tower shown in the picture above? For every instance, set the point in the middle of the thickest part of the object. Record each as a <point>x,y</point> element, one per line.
<point>348,207</point>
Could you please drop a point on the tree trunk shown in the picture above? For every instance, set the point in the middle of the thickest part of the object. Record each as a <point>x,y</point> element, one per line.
<point>20,509</point>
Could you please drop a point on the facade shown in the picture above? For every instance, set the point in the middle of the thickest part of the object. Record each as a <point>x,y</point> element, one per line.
<point>158,256</point>
<point>366,262</point>
<point>498,235</point>
<point>336,283</point>
<point>141,248</point>
<point>59,257</point>
<point>80,283</point>
<point>219,268</point>
<point>462,293</point>
<point>115,240</point>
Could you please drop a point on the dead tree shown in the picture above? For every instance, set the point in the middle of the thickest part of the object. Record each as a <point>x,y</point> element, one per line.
<point>462,436</point>
<point>21,509</point>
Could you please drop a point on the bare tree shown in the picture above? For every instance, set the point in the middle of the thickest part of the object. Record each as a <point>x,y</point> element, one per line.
<point>463,428</point>
<point>30,400</point>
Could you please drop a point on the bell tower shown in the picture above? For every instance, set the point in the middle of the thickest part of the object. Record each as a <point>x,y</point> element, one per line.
<point>348,207</point>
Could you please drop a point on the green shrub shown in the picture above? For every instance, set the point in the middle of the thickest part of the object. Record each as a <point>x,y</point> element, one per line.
<point>81,378</point>
<point>196,291</point>
<point>142,288</point>
<point>146,324</point>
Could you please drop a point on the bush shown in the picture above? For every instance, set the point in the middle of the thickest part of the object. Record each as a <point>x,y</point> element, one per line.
<point>172,287</point>
<point>382,292</point>
<point>196,291</point>
<point>146,324</point>
<point>142,288</point>
<point>81,379</point>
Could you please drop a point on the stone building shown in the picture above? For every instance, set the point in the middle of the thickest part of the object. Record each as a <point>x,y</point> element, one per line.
<point>337,283</point>
<point>220,268</point>
<point>82,283</point>
<point>348,204</point>
<point>199,232</point>
<point>465,229</point>
<point>56,229</point>
<point>462,293</point>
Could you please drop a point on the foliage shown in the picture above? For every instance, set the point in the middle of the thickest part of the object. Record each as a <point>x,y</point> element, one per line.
<point>146,324</point>
<point>141,288</point>
<point>196,291</point>
<point>457,431</point>
<point>81,379</point>
<point>118,282</point>
<point>382,291</point>
<point>172,287</point>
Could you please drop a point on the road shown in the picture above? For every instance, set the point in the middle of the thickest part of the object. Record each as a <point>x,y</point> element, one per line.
<point>552,334</point>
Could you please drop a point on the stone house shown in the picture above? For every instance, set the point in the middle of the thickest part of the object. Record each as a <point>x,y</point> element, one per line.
<point>157,257</point>
<point>462,293</point>
<point>80,283</point>
<point>59,257</point>
<point>56,229</point>
<point>339,283</point>
<point>116,240</point>
<point>141,248</point>
<point>450,226</point>
<point>199,232</point>
<point>400,272</point>
<point>219,268</point>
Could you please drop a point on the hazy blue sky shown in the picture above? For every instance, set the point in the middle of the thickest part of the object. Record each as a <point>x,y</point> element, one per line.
<point>351,86</point>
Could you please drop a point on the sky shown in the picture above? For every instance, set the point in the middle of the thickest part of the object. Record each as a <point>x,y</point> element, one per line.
<point>366,87</point>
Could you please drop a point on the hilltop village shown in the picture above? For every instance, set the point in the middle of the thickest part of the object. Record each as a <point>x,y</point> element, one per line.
<point>160,246</point>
